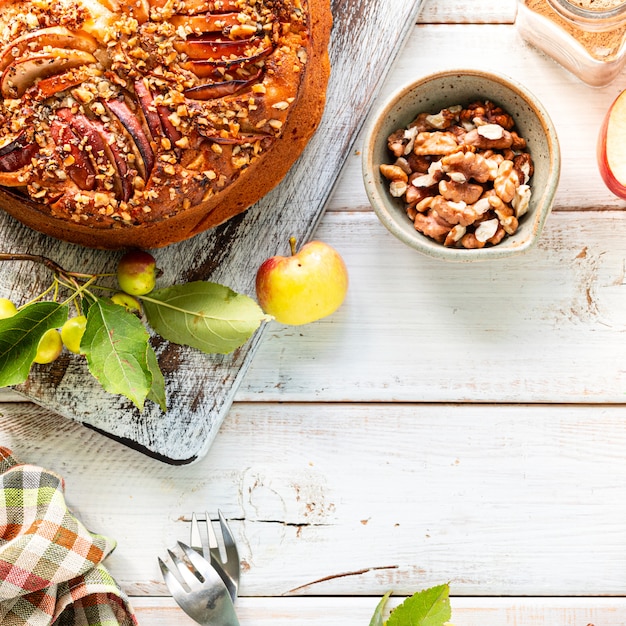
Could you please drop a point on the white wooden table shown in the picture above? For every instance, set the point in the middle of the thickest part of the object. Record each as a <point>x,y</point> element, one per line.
<point>449,423</point>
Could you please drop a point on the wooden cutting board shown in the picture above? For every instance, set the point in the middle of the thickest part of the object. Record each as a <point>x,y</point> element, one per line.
<point>367,34</point>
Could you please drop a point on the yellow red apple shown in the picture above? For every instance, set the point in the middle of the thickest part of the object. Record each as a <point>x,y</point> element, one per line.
<point>137,272</point>
<point>612,147</point>
<point>304,287</point>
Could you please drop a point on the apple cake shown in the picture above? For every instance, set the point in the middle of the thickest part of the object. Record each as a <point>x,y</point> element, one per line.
<point>139,123</point>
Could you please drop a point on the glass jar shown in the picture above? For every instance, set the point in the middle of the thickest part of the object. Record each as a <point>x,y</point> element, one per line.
<point>588,37</point>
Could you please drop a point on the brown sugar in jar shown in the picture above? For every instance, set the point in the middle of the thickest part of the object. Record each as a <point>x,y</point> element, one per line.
<point>587,37</point>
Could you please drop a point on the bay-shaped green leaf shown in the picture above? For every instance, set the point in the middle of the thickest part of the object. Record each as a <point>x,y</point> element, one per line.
<point>157,390</point>
<point>377,618</point>
<point>116,346</point>
<point>430,607</point>
<point>20,335</point>
<point>204,315</point>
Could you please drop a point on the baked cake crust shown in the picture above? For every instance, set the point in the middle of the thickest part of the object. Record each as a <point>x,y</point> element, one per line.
<point>140,123</point>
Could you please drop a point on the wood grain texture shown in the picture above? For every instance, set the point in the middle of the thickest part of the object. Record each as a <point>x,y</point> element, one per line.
<point>547,326</point>
<point>357,499</point>
<point>468,12</point>
<point>200,388</point>
<point>358,611</point>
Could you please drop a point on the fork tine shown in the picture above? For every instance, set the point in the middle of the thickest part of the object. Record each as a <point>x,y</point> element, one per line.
<point>202,566</point>
<point>196,539</point>
<point>185,573</point>
<point>231,563</point>
<point>176,589</point>
<point>229,541</point>
<point>213,543</point>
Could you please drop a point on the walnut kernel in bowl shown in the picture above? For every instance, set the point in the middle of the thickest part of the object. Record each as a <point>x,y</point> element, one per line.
<point>462,173</point>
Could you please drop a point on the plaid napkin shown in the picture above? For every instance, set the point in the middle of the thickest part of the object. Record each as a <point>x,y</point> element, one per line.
<point>50,564</point>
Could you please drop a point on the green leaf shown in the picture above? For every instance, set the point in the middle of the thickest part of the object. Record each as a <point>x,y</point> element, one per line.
<point>430,607</point>
<point>377,618</point>
<point>20,335</point>
<point>116,346</point>
<point>203,315</point>
<point>157,390</point>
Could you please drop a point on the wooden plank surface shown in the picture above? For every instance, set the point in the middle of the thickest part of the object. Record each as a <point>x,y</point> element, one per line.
<point>358,611</point>
<point>547,326</point>
<point>357,499</point>
<point>525,500</point>
<point>468,12</point>
<point>200,388</point>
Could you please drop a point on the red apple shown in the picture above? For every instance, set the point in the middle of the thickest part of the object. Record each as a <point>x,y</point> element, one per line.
<point>104,149</point>
<point>304,287</point>
<point>207,47</point>
<point>612,147</point>
<point>137,272</point>
<point>53,37</point>
<point>208,68</point>
<point>47,87</point>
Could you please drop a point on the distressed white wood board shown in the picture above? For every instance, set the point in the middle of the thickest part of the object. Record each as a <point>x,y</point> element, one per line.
<point>200,388</point>
<point>359,611</point>
<point>546,326</point>
<point>468,12</point>
<point>355,499</point>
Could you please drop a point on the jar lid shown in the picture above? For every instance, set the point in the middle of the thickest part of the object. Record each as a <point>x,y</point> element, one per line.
<point>592,12</point>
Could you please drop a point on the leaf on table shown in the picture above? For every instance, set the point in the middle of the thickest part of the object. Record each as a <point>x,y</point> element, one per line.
<point>377,618</point>
<point>20,335</point>
<point>116,346</point>
<point>204,315</point>
<point>430,607</point>
<point>157,390</point>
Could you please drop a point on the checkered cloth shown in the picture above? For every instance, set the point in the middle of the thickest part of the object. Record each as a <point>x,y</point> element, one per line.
<point>50,564</point>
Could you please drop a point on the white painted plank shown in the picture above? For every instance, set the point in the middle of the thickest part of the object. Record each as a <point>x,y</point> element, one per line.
<point>576,109</point>
<point>358,611</point>
<point>547,326</point>
<point>359,499</point>
<point>468,11</point>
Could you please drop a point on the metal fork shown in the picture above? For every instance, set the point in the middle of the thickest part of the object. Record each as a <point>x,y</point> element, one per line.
<point>202,594</point>
<point>226,564</point>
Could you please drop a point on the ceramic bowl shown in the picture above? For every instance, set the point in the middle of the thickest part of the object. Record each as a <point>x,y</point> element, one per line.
<point>448,88</point>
